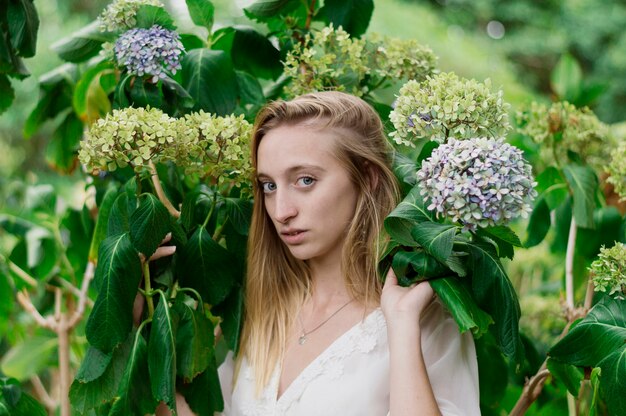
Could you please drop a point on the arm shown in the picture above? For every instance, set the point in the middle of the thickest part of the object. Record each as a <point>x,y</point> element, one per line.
<point>410,390</point>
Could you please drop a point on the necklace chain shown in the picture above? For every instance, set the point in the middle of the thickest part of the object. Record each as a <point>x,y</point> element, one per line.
<point>304,335</point>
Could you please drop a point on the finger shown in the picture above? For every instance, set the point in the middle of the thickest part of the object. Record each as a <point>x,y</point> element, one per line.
<point>167,238</point>
<point>390,279</point>
<point>163,251</point>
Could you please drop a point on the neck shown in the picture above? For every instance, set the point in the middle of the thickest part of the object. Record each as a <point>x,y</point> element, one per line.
<point>328,281</point>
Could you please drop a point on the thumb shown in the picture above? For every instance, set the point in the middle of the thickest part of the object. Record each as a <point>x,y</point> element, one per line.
<point>390,279</point>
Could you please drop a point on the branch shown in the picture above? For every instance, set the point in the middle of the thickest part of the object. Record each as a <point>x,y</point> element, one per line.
<point>569,265</point>
<point>160,193</point>
<point>589,294</point>
<point>24,299</point>
<point>42,394</point>
<point>21,273</point>
<point>83,299</point>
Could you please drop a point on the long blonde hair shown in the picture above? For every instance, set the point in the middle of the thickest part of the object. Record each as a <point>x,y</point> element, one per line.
<point>277,283</point>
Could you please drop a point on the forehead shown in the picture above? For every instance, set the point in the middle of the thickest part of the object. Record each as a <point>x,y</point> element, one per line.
<point>287,146</point>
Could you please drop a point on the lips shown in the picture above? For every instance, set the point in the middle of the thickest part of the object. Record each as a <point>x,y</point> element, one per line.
<point>293,236</point>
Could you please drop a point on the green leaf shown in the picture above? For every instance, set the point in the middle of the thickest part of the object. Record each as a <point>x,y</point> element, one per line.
<point>53,102</point>
<point>410,211</point>
<point>6,296</point>
<point>7,94</point>
<point>208,267</point>
<point>118,274</point>
<point>583,183</point>
<point>437,239</point>
<point>175,95</point>
<point>82,44</point>
<point>404,168</point>
<point>149,224</point>
<point>29,358</point>
<point>145,94</point>
<point>100,230</point>
<point>422,266</point>
<point>210,79</point>
<point>98,378</point>
<point>134,396</point>
<point>239,213</point>
<point>595,386</point>
<point>566,78</point>
<point>551,185</point>
<point>90,100</point>
<point>539,223</point>
<point>148,16</point>
<point>204,394</point>
<point>267,8</point>
<point>493,373</point>
<point>250,90</point>
<point>24,405</point>
<point>201,12</point>
<point>495,294</point>
<point>353,15</point>
<point>194,341</point>
<point>23,23</point>
<point>459,302</point>
<point>504,238</point>
<point>62,150</point>
<point>570,376</point>
<point>119,222</point>
<point>613,381</point>
<point>599,334</point>
<point>231,312</point>
<point>162,353</point>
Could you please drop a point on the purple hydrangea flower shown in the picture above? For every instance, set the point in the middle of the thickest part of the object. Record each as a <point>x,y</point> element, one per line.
<point>480,182</point>
<point>149,51</point>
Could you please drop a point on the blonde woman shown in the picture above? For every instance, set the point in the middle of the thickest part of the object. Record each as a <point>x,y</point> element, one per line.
<point>322,335</point>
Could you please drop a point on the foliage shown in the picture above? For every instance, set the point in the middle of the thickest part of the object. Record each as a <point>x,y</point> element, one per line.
<point>19,23</point>
<point>617,170</point>
<point>609,271</point>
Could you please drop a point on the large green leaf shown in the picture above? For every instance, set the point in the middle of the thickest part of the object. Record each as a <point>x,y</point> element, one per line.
<point>404,168</point>
<point>82,44</point>
<point>250,51</point>
<point>552,187</point>
<point>149,224</point>
<point>613,381</point>
<point>583,183</point>
<point>461,305</point>
<point>201,12</point>
<point>29,357</point>
<point>98,377</point>
<point>410,211</point>
<point>118,221</point>
<point>493,374</point>
<point>539,223</point>
<point>7,94</point>
<point>162,353</point>
<point>6,296</point>
<point>194,341</point>
<point>62,150</point>
<point>208,267</point>
<point>231,312</point>
<point>570,375</point>
<point>353,15</point>
<point>148,16</point>
<point>599,334</point>
<point>118,274</point>
<point>23,23</point>
<point>239,213</point>
<point>437,239</point>
<point>55,100</point>
<point>145,94</point>
<point>100,230</point>
<point>413,266</point>
<point>90,100</point>
<point>504,238</point>
<point>204,394</point>
<point>134,396</point>
<point>15,402</point>
<point>267,8</point>
<point>566,78</point>
<point>495,294</point>
<point>210,79</point>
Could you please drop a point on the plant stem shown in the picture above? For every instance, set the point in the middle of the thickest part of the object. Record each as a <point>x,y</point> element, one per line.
<point>213,204</point>
<point>63,333</point>
<point>218,232</point>
<point>148,288</point>
<point>158,188</point>
<point>569,265</point>
<point>309,15</point>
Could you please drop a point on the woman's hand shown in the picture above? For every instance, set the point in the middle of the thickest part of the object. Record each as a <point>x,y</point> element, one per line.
<point>403,306</point>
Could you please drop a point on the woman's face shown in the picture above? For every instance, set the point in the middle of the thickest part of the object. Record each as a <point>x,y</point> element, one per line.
<point>309,195</point>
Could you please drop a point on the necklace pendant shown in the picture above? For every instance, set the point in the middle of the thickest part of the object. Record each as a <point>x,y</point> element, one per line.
<point>302,339</point>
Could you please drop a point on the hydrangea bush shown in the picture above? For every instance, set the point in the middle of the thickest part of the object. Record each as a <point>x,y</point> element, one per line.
<point>617,170</point>
<point>479,182</point>
<point>609,271</point>
<point>149,52</point>
<point>445,105</point>
<point>119,16</point>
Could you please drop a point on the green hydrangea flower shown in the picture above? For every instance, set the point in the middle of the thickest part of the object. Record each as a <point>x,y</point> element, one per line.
<point>561,127</point>
<point>400,59</point>
<point>129,136</point>
<point>119,16</point>
<point>217,147</point>
<point>617,170</point>
<point>609,271</point>
<point>446,106</point>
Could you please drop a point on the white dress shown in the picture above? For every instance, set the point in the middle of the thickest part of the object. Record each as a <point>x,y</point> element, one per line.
<point>351,377</point>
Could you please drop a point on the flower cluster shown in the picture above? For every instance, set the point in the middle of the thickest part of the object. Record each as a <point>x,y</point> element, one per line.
<point>217,147</point>
<point>446,106</point>
<point>329,59</point>
<point>120,15</point>
<point>149,51</point>
<point>129,136</point>
<point>480,182</point>
<point>561,128</point>
<point>609,271</point>
<point>398,59</point>
<point>617,170</point>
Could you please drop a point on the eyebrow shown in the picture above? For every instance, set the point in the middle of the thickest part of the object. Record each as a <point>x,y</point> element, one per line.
<point>294,169</point>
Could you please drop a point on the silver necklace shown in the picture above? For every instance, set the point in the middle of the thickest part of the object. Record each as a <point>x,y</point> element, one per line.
<point>304,335</point>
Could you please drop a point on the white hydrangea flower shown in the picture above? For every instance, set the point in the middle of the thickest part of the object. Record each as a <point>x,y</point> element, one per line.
<point>609,271</point>
<point>120,15</point>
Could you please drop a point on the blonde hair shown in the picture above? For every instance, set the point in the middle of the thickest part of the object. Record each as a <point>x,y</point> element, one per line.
<point>277,283</point>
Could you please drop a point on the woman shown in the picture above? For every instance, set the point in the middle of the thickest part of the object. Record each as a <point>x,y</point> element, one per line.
<point>321,335</point>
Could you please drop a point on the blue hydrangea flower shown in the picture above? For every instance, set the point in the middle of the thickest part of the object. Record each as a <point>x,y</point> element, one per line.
<point>479,182</point>
<point>153,51</point>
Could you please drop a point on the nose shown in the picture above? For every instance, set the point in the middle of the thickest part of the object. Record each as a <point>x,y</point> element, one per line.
<point>284,207</point>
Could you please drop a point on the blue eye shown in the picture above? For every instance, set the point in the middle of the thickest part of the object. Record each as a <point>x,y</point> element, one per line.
<point>268,187</point>
<point>306,181</point>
